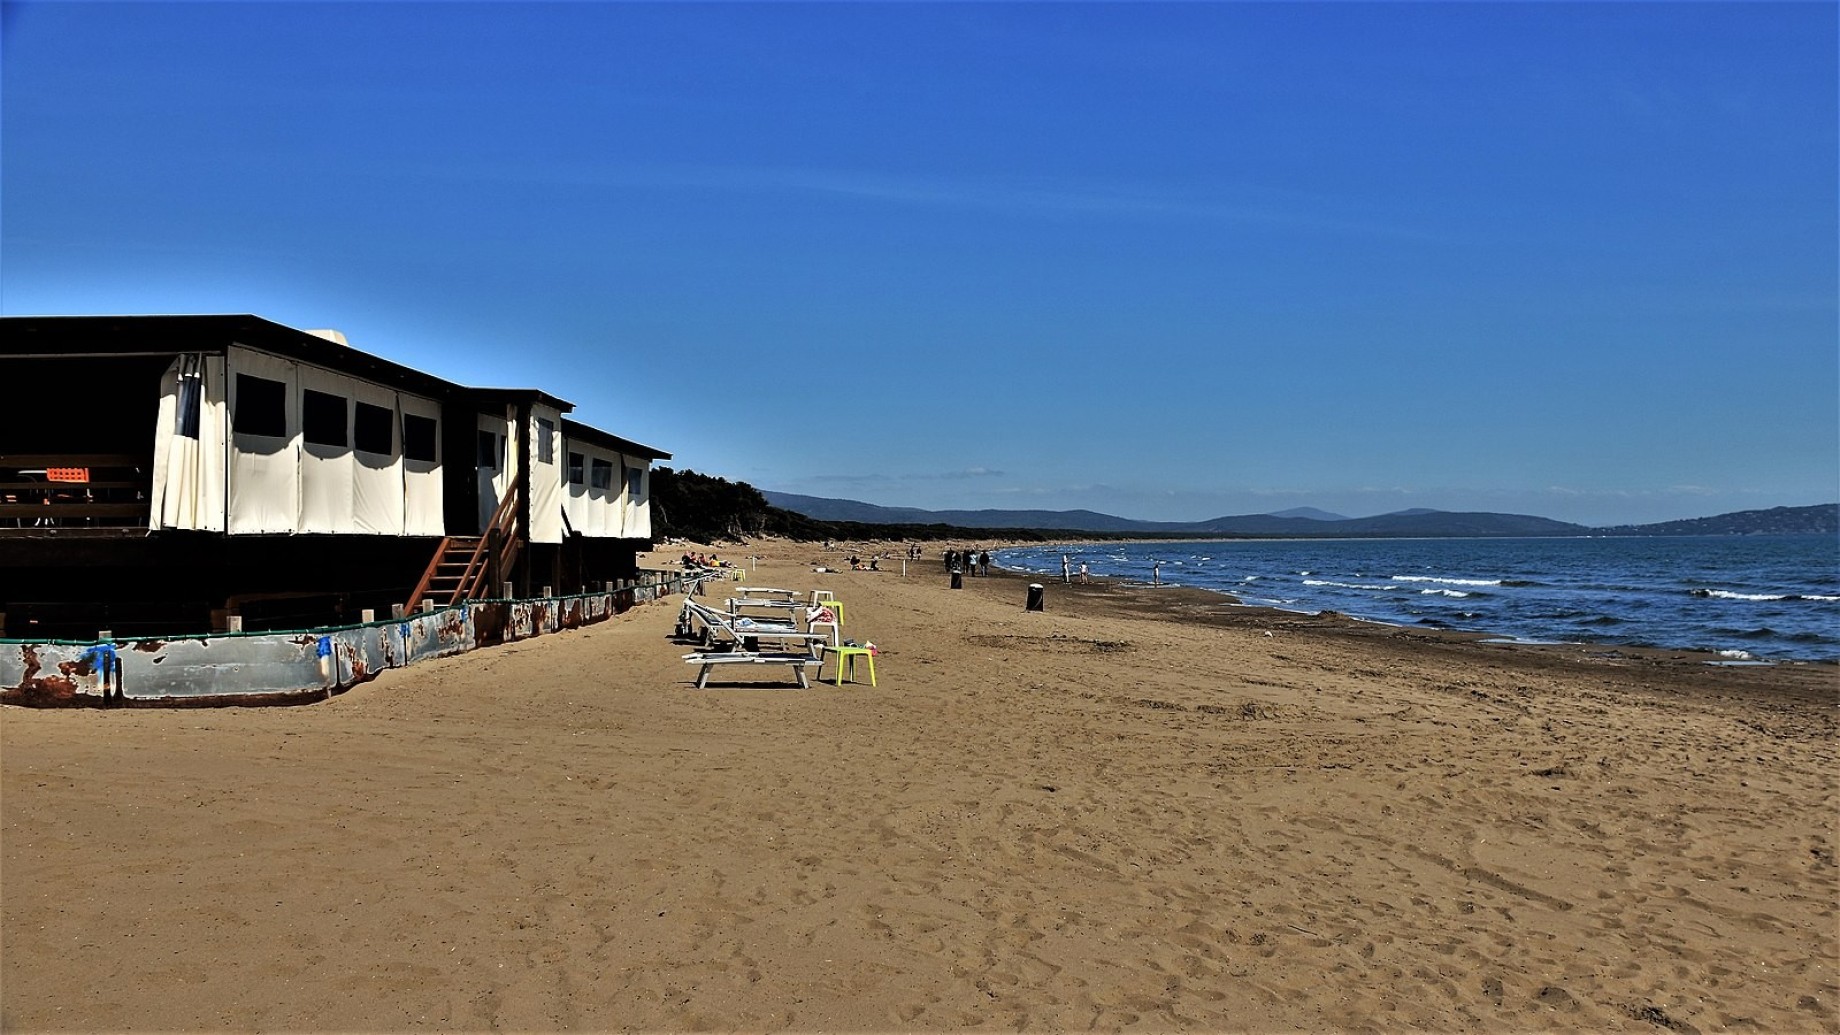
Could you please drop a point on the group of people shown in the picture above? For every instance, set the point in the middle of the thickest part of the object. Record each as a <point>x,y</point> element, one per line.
<point>697,560</point>
<point>972,561</point>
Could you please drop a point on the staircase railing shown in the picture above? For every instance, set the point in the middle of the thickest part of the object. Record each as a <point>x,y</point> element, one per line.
<point>492,555</point>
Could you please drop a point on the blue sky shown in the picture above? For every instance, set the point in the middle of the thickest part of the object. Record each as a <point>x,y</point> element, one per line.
<point>1162,261</point>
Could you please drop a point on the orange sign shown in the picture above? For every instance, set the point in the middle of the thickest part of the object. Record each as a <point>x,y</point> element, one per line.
<point>67,474</point>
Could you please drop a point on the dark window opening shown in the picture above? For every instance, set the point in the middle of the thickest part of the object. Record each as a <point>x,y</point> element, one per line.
<point>261,406</point>
<point>602,476</point>
<point>575,468</point>
<point>322,418</point>
<point>635,481</point>
<point>488,451</point>
<point>546,441</point>
<point>191,401</point>
<point>419,438</point>
<point>373,429</point>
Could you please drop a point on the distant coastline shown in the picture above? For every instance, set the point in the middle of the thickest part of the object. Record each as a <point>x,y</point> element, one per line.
<point>1820,519</point>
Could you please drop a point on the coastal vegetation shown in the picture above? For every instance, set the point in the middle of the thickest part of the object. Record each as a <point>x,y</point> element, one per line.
<point>708,509</point>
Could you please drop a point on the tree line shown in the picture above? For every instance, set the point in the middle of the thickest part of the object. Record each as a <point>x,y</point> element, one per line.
<point>707,509</point>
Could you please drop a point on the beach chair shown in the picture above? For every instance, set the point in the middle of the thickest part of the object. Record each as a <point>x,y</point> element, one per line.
<point>821,615</point>
<point>723,631</point>
<point>799,662</point>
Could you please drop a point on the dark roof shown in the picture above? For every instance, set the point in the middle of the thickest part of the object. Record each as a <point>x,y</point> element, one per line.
<point>74,336</point>
<point>576,429</point>
<point>519,395</point>
<point>77,336</point>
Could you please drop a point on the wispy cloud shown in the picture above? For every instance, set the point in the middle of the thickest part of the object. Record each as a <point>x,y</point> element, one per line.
<point>889,479</point>
<point>1232,203</point>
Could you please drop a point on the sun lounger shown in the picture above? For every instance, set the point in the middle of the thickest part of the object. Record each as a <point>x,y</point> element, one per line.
<point>765,592</point>
<point>710,659</point>
<point>743,633</point>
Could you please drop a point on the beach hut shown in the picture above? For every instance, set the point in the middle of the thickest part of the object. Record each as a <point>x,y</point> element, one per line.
<point>166,470</point>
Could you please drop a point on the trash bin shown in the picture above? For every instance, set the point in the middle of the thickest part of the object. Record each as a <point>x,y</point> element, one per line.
<point>958,579</point>
<point>1035,596</point>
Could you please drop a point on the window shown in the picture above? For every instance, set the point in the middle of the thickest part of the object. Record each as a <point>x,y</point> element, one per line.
<point>419,438</point>
<point>261,406</point>
<point>575,465</point>
<point>488,451</point>
<point>322,418</point>
<point>635,481</point>
<point>601,477</point>
<point>546,440</point>
<point>373,429</point>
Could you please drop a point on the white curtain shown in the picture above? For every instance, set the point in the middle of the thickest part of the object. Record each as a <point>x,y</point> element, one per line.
<point>376,477</point>
<point>326,468</point>
<point>264,486</point>
<point>546,477</point>
<point>423,505</point>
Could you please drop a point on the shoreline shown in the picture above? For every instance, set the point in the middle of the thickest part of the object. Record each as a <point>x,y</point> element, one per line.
<point>1714,655</point>
<point>1138,809</point>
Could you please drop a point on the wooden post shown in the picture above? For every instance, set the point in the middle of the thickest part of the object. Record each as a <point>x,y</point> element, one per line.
<point>233,623</point>
<point>367,616</point>
<point>398,610</point>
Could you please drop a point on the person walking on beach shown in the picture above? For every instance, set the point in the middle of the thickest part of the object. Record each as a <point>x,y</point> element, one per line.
<point>1083,578</point>
<point>984,561</point>
<point>1156,573</point>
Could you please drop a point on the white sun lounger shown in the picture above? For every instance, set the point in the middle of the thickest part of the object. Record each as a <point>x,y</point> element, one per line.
<point>710,659</point>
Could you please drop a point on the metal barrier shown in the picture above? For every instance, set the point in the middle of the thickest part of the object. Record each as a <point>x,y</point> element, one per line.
<point>273,667</point>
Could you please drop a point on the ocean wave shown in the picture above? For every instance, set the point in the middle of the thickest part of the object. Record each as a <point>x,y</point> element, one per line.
<point>1344,585</point>
<point>1721,594</point>
<point>1446,582</point>
<point>1444,593</point>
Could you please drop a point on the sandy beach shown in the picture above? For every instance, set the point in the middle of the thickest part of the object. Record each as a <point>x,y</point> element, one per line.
<point>1138,810</point>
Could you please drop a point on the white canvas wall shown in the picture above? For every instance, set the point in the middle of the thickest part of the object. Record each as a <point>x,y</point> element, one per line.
<point>495,478</point>
<point>282,483</point>
<point>264,488</point>
<point>188,455</point>
<point>593,510</point>
<point>376,475</point>
<point>327,493</point>
<point>636,515</point>
<point>423,505</point>
<point>546,475</point>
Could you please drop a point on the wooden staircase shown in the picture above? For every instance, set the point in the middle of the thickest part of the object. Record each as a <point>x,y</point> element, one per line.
<point>469,567</point>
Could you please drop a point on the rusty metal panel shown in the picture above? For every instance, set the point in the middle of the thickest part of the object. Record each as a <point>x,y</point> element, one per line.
<point>521,623</point>
<point>282,663</point>
<point>57,673</point>
<point>488,619</point>
<point>255,668</point>
<point>366,650</point>
<point>438,634</point>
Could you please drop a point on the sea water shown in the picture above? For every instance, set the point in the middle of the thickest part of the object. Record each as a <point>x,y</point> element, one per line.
<point>1745,597</point>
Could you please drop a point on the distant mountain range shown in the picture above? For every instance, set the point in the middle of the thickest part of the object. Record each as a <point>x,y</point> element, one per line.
<point>1307,522</point>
